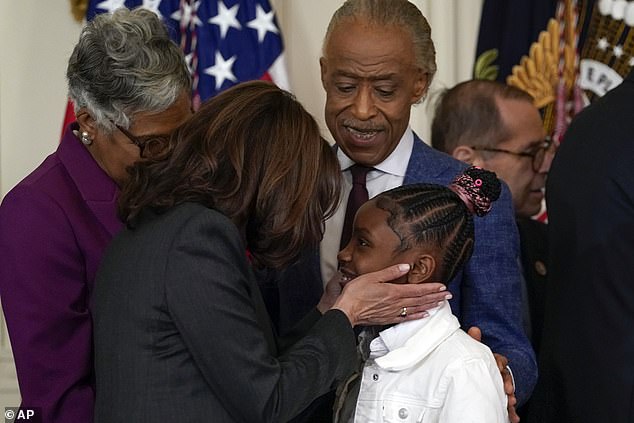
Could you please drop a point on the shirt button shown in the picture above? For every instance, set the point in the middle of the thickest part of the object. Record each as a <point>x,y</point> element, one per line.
<point>402,413</point>
<point>540,268</point>
<point>375,377</point>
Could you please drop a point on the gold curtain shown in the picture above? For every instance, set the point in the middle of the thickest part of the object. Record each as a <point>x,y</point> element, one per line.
<point>78,9</point>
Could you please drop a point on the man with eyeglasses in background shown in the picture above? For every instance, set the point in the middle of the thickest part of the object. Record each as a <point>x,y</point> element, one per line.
<point>497,127</point>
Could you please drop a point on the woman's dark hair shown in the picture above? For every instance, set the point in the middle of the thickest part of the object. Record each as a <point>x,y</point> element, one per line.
<point>439,216</point>
<point>254,154</point>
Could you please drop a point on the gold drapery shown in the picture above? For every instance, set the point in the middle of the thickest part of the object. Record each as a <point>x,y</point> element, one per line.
<point>79,8</point>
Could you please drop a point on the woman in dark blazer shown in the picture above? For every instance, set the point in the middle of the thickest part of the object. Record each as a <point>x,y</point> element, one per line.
<point>181,331</point>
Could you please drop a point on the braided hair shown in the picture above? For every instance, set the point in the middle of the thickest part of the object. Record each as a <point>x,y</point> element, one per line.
<point>441,217</point>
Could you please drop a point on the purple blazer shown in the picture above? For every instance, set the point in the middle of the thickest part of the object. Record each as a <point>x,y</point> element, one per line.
<point>54,227</point>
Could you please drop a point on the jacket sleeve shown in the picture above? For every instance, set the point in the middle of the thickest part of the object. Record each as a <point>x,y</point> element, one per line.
<point>472,393</point>
<point>216,305</point>
<point>45,302</point>
<point>490,294</point>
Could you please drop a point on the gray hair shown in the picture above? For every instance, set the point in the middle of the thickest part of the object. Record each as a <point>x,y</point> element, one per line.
<point>400,13</point>
<point>125,63</point>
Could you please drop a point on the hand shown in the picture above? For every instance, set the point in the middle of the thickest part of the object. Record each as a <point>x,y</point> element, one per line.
<point>509,388</point>
<point>367,300</point>
<point>502,363</point>
<point>475,333</point>
<point>331,293</point>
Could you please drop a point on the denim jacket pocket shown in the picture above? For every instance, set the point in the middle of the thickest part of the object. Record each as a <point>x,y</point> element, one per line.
<point>402,409</point>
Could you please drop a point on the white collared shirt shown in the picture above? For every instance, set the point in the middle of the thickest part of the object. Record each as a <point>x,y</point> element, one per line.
<point>386,175</point>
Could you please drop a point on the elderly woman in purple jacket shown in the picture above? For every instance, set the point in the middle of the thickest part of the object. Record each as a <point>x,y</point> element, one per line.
<point>127,81</point>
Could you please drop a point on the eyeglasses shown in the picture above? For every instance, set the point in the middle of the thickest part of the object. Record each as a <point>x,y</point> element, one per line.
<point>151,145</point>
<point>538,153</point>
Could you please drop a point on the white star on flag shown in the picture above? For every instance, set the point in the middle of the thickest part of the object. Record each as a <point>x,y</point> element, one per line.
<point>221,70</point>
<point>111,5</point>
<point>188,11</point>
<point>153,5</point>
<point>226,18</point>
<point>225,42</point>
<point>263,22</point>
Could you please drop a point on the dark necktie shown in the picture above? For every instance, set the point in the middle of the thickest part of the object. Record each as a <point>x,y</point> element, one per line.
<point>358,196</point>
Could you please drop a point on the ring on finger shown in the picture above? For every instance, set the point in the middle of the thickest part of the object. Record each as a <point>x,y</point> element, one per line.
<point>403,312</point>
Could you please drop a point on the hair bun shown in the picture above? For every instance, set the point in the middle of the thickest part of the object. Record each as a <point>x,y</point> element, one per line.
<point>478,188</point>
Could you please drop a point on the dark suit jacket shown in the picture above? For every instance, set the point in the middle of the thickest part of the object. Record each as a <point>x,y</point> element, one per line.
<point>54,226</point>
<point>486,294</point>
<point>534,247</point>
<point>587,351</point>
<point>182,333</point>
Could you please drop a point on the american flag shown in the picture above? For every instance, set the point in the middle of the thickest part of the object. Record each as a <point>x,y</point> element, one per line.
<point>224,41</point>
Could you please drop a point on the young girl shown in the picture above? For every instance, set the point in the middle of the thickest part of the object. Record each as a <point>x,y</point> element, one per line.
<point>426,370</point>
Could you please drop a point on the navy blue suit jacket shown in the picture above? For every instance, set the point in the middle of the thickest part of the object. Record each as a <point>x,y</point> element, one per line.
<point>487,293</point>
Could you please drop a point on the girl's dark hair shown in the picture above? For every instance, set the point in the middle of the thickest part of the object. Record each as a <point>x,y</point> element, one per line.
<point>439,216</point>
<point>254,154</point>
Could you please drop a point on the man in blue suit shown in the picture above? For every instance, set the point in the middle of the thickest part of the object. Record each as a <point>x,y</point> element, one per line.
<point>378,60</point>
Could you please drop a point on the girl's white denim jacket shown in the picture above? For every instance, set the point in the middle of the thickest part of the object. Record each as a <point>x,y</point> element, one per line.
<point>429,370</point>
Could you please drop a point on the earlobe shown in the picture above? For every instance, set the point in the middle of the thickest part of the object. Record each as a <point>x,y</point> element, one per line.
<point>322,67</point>
<point>464,154</point>
<point>86,121</point>
<point>421,87</point>
<point>422,269</point>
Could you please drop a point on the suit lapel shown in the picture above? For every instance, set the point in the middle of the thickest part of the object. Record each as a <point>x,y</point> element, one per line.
<point>425,163</point>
